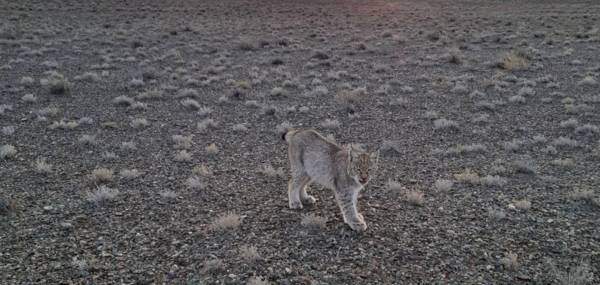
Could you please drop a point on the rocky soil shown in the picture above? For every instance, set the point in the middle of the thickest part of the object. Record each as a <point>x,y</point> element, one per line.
<point>139,141</point>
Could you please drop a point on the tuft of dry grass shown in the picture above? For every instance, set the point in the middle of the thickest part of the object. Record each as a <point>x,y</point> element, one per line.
<point>564,142</point>
<point>581,193</point>
<point>195,183</point>
<point>442,124</point>
<point>522,205</point>
<point>130,173</point>
<point>168,194</point>
<point>212,149</point>
<point>183,156</point>
<point>64,125</point>
<point>150,95</point>
<point>493,180</point>
<point>467,176</point>
<point>240,128</point>
<point>415,197</point>
<point>313,222</point>
<point>57,84</point>
<point>102,194</point>
<point>510,261</point>
<point>514,61</point>
<point>123,101</point>
<point>128,146</point>
<point>249,253</point>
<point>350,99</point>
<point>229,221</point>
<point>182,142</point>
<point>213,266</point>
<point>29,98</point>
<point>564,162</point>
<point>87,140</point>
<point>7,151</point>
<point>257,281</point>
<point>8,130</point>
<point>42,167</point>
<point>270,171</point>
<point>191,104</point>
<point>139,123</point>
<point>496,214</point>
<point>443,184</point>
<point>206,124</point>
<point>330,124</point>
<point>588,81</point>
<point>202,171</point>
<point>525,166</point>
<point>394,186</point>
<point>102,175</point>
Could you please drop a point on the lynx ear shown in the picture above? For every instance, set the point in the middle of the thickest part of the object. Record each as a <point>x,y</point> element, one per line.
<point>375,157</point>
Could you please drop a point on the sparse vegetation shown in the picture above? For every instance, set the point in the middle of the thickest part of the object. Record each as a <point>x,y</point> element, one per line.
<point>140,141</point>
<point>102,175</point>
<point>102,195</point>
<point>313,222</point>
<point>514,61</point>
<point>7,151</point>
<point>522,204</point>
<point>249,253</point>
<point>42,167</point>
<point>443,184</point>
<point>229,221</point>
<point>441,124</point>
<point>270,171</point>
<point>415,197</point>
<point>510,261</point>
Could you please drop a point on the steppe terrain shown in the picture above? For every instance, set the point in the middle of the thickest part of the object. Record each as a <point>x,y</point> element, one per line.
<point>139,141</point>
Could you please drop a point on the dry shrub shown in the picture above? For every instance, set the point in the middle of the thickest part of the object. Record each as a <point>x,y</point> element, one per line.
<point>522,204</point>
<point>229,221</point>
<point>313,222</point>
<point>249,253</point>
<point>468,176</point>
<point>102,175</point>
<point>510,261</point>
<point>415,197</point>
<point>514,61</point>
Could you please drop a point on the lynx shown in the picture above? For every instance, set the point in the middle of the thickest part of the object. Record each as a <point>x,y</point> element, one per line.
<point>344,169</point>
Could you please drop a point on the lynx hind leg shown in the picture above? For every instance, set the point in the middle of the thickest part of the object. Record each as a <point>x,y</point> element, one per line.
<point>296,192</point>
<point>304,197</point>
<point>347,201</point>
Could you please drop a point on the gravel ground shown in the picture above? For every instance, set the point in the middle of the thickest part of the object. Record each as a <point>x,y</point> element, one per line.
<point>486,113</point>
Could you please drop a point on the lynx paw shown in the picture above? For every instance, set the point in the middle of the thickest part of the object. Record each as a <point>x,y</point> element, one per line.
<point>309,200</point>
<point>295,205</point>
<point>360,218</point>
<point>358,226</point>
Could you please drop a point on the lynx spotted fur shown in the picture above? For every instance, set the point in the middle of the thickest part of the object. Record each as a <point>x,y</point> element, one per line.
<point>345,170</point>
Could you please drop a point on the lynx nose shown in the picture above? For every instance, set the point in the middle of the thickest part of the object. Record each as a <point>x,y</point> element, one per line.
<point>363,180</point>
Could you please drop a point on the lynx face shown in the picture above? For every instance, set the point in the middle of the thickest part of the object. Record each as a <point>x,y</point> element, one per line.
<point>363,164</point>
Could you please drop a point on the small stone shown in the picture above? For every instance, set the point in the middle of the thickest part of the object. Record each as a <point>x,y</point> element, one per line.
<point>66,225</point>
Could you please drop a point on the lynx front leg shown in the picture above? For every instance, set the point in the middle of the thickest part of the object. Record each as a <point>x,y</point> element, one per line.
<point>295,189</point>
<point>347,200</point>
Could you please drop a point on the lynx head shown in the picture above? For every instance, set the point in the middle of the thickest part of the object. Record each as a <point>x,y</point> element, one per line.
<point>362,164</point>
